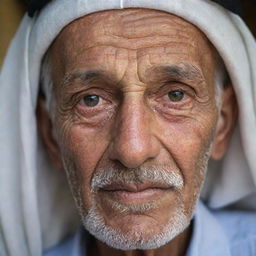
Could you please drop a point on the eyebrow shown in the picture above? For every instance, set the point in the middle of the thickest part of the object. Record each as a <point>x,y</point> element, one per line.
<point>182,72</point>
<point>85,77</point>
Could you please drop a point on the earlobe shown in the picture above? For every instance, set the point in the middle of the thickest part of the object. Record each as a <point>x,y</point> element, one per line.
<point>44,124</point>
<point>225,124</point>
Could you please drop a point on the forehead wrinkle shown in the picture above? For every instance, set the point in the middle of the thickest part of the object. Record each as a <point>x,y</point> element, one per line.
<point>141,14</point>
<point>133,29</point>
<point>130,77</point>
<point>111,34</point>
<point>156,31</point>
<point>154,20</point>
<point>168,44</point>
<point>132,13</point>
<point>156,26</point>
<point>173,48</point>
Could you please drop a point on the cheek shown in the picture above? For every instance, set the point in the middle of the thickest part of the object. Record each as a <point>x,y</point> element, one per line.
<point>188,144</point>
<point>187,140</point>
<point>85,146</point>
<point>82,150</point>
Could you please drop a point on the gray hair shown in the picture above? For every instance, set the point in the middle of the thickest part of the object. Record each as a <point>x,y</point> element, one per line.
<point>46,81</point>
<point>221,80</point>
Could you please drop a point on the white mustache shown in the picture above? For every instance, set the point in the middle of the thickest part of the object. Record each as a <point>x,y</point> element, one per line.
<point>154,174</point>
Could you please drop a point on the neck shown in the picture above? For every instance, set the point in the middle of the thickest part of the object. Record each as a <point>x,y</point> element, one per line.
<point>177,247</point>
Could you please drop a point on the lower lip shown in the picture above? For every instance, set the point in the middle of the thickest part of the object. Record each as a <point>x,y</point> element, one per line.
<point>128,197</point>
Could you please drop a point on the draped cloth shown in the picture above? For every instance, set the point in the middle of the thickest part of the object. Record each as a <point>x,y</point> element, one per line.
<point>232,5</point>
<point>36,210</point>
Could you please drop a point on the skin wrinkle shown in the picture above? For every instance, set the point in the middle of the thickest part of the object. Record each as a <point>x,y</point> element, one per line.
<point>154,33</point>
<point>184,72</point>
<point>125,178</point>
<point>154,19</point>
<point>140,33</point>
<point>133,45</point>
<point>129,18</point>
<point>132,132</point>
<point>141,20</point>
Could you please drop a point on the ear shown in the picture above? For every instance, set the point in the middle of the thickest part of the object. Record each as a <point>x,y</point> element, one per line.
<point>44,125</point>
<point>225,124</point>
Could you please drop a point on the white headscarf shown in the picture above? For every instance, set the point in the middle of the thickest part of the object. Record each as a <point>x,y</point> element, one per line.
<point>35,207</point>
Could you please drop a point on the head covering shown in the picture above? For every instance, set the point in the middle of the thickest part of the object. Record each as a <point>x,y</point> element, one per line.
<point>232,5</point>
<point>35,207</point>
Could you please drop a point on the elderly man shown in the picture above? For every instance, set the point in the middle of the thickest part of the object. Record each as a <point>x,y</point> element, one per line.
<point>134,100</point>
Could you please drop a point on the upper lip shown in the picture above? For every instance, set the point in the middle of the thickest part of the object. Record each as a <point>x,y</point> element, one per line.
<point>131,187</point>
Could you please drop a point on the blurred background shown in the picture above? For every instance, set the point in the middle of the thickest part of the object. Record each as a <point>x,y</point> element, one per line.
<point>11,12</point>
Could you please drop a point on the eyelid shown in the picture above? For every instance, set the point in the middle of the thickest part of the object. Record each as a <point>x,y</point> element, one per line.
<point>102,94</point>
<point>168,101</point>
<point>173,86</point>
<point>165,105</point>
<point>83,104</point>
<point>181,86</point>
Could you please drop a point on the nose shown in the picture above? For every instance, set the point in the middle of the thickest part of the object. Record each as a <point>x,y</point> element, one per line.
<point>133,141</point>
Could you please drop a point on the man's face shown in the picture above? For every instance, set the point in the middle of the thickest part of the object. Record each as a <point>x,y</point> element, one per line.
<point>135,119</point>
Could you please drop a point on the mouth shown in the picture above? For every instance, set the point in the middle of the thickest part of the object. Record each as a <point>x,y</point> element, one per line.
<point>136,193</point>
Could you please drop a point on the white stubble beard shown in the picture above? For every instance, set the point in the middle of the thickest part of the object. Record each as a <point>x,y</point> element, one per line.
<point>95,223</point>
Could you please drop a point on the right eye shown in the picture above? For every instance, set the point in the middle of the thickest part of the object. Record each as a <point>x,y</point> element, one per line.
<point>90,101</point>
<point>176,95</point>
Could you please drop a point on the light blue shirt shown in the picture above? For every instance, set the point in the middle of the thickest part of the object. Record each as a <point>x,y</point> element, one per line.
<point>215,233</point>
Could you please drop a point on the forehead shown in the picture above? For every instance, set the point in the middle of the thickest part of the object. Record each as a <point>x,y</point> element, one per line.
<point>152,37</point>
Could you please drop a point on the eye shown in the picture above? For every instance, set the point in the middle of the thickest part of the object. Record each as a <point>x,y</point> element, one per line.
<point>90,100</point>
<point>176,96</point>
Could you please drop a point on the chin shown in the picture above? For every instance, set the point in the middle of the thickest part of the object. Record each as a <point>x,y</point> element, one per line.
<point>133,236</point>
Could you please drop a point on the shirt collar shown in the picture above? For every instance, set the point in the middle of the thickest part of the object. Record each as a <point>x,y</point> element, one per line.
<point>208,237</point>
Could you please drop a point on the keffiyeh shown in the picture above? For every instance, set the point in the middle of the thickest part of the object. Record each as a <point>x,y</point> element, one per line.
<point>35,204</point>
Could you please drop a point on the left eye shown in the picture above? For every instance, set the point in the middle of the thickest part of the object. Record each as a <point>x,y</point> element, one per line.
<point>176,96</point>
<point>90,100</point>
